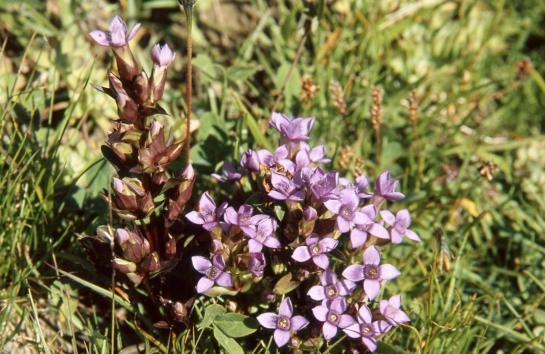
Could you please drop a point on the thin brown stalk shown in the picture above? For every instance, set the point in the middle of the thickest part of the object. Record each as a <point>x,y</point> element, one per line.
<point>376,120</point>
<point>189,83</point>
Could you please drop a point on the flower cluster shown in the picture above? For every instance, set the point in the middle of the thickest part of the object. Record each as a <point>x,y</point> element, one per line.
<point>145,194</point>
<point>303,227</point>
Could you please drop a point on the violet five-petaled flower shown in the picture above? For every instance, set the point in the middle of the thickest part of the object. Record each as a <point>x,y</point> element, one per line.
<point>315,249</point>
<point>213,272</point>
<point>243,218</point>
<point>366,328</point>
<point>324,185</point>
<point>263,235</point>
<point>358,235</point>
<point>371,272</point>
<point>284,323</point>
<point>346,209</point>
<point>332,314</point>
<point>208,215</point>
<point>399,225</point>
<point>393,315</point>
<point>385,187</point>
<point>330,287</point>
<point>307,156</point>
<point>118,36</point>
<point>162,55</point>
<point>292,131</point>
<point>285,189</point>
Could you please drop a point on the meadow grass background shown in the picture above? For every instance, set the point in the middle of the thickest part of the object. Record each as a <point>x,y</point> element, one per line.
<point>476,284</point>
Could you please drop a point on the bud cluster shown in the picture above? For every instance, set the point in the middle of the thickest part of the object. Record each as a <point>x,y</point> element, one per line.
<point>307,233</point>
<point>145,192</point>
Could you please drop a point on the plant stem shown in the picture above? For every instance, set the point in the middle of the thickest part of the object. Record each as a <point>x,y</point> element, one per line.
<point>188,9</point>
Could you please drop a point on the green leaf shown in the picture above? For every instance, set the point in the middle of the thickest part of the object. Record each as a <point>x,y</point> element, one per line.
<point>206,66</point>
<point>210,313</point>
<point>229,344</point>
<point>285,285</point>
<point>236,325</point>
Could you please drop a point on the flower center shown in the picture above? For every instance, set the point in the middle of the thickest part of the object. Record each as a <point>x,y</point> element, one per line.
<point>371,272</point>
<point>331,291</point>
<point>213,272</point>
<point>347,213</point>
<point>332,317</point>
<point>315,250</point>
<point>367,330</point>
<point>283,323</point>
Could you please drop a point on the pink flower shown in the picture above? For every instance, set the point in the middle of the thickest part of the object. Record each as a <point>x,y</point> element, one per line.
<point>316,249</point>
<point>213,273</point>
<point>118,36</point>
<point>283,323</point>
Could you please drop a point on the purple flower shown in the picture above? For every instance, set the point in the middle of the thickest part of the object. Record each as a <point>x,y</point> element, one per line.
<point>213,273</point>
<point>208,215</point>
<point>257,264</point>
<point>315,249</point>
<point>263,235</point>
<point>324,185</point>
<point>358,236</point>
<point>310,214</point>
<point>292,131</point>
<point>386,187</point>
<point>281,160</point>
<point>250,161</point>
<point>330,287</point>
<point>346,210</point>
<point>390,310</point>
<point>117,36</point>
<point>229,174</point>
<point>243,218</point>
<point>362,183</point>
<point>333,316</point>
<point>400,225</point>
<point>162,55</point>
<point>371,272</point>
<point>307,156</point>
<point>366,328</point>
<point>283,323</point>
<point>285,189</point>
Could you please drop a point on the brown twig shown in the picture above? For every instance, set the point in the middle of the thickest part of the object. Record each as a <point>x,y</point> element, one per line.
<point>189,83</point>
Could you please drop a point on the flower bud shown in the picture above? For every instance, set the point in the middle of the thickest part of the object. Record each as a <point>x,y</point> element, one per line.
<point>141,88</point>
<point>128,109</point>
<point>131,201</point>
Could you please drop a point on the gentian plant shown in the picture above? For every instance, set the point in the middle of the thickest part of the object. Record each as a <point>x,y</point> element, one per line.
<point>295,247</point>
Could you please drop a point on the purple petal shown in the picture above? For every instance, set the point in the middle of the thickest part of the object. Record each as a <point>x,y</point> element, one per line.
<point>286,308</point>
<point>396,236</point>
<point>394,195</point>
<point>133,31</point>
<point>231,216</point>
<point>204,284</point>
<point>301,254</point>
<point>320,312</point>
<point>328,277</point>
<point>357,238</point>
<point>207,204</point>
<point>343,225</point>
<point>354,272</point>
<point>118,32</point>
<point>298,323</point>
<point>100,37</point>
<point>298,196</point>
<point>388,272</point>
<point>201,264</point>
<point>321,261</point>
<point>218,261</point>
<point>364,314</point>
<point>388,216</point>
<point>316,293</point>
<point>281,337</point>
<point>379,231</point>
<point>353,331</point>
<point>268,320</point>
<point>302,158</point>
<point>371,256</point>
<point>328,244</point>
<point>272,242</point>
<point>277,195</point>
<point>195,218</point>
<point>401,317</point>
<point>403,218</point>
<point>412,235</point>
<point>333,205</point>
<point>329,331</point>
<point>395,301</point>
<point>370,343</point>
<point>254,246</point>
<point>225,280</point>
<point>350,198</point>
<point>346,320</point>
<point>338,305</point>
<point>371,288</point>
<point>311,240</point>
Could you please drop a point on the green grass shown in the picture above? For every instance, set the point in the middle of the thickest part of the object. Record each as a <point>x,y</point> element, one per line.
<point>475,285</point>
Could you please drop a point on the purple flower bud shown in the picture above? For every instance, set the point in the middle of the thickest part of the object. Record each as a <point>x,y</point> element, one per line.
<point>310,214</point>
<point>250,161</point>
<point>162,55</point>
<point>283,323</point>
<point>386,187</point>
<point>213,273</point>
<point>257,264</point>
<point>371,272</point>
<point>118,36</point>
<point>362,183</point>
